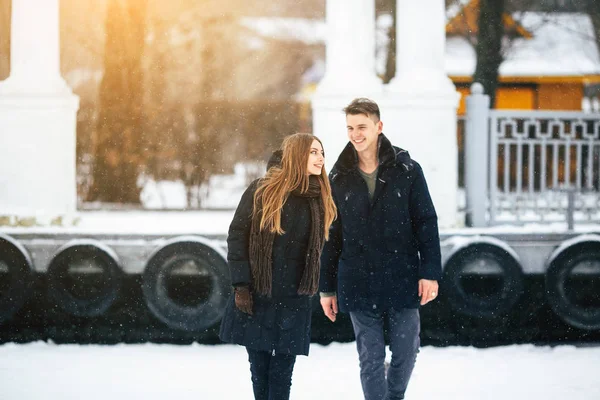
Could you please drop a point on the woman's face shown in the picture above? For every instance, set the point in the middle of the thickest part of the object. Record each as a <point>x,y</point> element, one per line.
<point>316,158</point>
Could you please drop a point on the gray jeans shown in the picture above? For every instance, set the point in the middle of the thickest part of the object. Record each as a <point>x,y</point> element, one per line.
<point>404,329</point>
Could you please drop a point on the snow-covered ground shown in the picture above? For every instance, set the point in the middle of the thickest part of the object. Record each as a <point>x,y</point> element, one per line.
<point>220,192</point>
<point>41,371</point>
<point>216,222</point>
<point>163,211</point>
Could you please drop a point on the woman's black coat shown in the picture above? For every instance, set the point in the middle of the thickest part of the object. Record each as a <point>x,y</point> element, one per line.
<point>280,323</point>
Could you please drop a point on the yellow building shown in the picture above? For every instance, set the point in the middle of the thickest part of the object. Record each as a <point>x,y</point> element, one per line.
<point>551,60</point>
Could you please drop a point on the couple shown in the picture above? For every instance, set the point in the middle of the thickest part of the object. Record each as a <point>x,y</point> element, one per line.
<point>368,242</point>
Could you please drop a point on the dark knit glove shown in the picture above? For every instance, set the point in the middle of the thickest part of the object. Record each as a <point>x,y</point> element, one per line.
<point>243,299</point>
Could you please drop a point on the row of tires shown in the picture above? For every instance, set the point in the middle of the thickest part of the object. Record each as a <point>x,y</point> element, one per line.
<point>185,282</point>
<point>485,279</point>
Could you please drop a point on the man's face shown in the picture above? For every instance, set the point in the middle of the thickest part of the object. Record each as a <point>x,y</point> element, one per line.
<point>363,132</point>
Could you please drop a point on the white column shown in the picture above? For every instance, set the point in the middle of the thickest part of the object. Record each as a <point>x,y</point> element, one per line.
<point>35,49</point>
<point>349,71</point>
<point>419,109</point>
<point>37,117</point>
<point>350,52</point>
<point>420,45</point>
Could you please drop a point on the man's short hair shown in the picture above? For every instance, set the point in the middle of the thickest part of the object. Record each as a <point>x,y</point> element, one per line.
<point>365,106</point>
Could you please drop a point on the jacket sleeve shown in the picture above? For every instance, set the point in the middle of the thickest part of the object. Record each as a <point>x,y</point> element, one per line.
<point>330,256</point>
<point>238,238</point>
<point>425,227</point>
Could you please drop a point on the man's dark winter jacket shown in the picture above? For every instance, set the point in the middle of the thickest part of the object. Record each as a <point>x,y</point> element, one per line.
<point>280,323</point>
<point>379,249</point>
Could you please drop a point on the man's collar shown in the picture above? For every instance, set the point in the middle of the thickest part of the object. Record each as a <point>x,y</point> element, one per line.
<point>348,159</point>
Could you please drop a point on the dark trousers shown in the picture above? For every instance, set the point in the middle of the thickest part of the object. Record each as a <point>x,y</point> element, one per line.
<point>271,374</point>
<point>404,329</point>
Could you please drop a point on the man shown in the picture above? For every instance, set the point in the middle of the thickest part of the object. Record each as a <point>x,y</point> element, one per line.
<point>383,257</point>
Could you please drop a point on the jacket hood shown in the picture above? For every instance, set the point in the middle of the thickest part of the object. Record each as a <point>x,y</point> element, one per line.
<point>275,159</point>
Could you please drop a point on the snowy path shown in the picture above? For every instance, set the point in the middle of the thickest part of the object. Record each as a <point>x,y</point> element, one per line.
<point>40,371</point>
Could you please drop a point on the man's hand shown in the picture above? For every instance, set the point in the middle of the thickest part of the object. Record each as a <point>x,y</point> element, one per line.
<point>243,299</point>
<point>330,307</point>
<point>428,290</point>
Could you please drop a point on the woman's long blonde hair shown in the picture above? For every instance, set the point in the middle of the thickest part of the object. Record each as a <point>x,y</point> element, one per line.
<point>274,189</point>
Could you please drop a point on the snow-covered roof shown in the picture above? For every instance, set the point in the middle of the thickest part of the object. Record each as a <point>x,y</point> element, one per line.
<point>562,45</point>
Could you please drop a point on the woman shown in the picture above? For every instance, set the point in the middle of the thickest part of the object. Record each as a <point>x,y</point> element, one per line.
<point>274,246</point>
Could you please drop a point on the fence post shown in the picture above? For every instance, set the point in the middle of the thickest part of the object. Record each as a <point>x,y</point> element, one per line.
<point>476,156</point>
<point>570,209</point>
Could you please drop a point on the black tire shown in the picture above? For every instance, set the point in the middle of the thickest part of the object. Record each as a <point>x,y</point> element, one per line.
<point>214,278</point>
<point>87,294</point>
<point>486,305</point>
<point>16,278</point>
<point>557,292</point>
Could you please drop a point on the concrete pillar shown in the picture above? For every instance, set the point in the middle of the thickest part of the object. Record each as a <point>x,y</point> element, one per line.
<point>349,70</point>
<point>37,117</point>
<point>420,103</point>
<point>477,162</point>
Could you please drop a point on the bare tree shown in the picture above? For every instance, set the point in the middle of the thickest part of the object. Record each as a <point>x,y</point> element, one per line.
<point>389,7</point>
<point>489,46</point>
<point>195,56</point>
<point>593,9</point>
<point>117,155</point>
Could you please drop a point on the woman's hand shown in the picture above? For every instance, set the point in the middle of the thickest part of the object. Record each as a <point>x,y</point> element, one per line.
<point>243,299</point>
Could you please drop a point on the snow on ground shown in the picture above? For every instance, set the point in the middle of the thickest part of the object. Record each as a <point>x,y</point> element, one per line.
<point>222,191</point>
<point>136,222</point>
<point>216,222</point>
<point>41,371</point>
<point>163,212</point>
